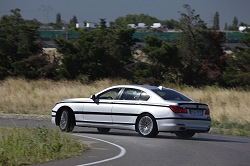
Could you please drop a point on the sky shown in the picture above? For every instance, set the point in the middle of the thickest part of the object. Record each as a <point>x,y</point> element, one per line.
<point>92,10</point>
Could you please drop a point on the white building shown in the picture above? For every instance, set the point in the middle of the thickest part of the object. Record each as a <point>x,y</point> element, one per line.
<point>79,25</point>
<point>142,25</point>
<point>132,26</point>
<point>156,25</point>
<point>242,28</point>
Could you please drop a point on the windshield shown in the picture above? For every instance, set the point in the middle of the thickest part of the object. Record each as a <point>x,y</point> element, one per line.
<point>168,94</point>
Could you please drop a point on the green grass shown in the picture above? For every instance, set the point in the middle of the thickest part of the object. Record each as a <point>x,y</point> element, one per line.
<point>230,128</point>
<point>24,146</point>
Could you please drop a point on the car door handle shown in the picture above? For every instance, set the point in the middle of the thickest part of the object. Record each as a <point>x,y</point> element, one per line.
<point>110,102</point>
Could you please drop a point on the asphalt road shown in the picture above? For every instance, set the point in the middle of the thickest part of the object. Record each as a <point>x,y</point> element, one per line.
<point>124,148</point>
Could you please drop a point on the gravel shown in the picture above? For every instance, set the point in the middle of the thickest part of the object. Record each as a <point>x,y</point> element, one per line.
<point>25,116</point>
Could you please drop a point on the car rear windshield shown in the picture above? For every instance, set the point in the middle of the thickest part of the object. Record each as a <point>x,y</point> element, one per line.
<point>168,94</point>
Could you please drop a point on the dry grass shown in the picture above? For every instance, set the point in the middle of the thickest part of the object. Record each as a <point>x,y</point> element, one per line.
<point>38,97</point>
<point>226,105</point>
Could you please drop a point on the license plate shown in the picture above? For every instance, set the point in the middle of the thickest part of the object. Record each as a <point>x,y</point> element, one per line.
<point>196,112</point>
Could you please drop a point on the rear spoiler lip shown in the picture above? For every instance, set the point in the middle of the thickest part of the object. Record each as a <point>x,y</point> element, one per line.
<point>192,104</point>
<point>196,105</point>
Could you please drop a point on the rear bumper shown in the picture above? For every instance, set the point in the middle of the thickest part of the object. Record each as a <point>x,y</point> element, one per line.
<point>177,124</point>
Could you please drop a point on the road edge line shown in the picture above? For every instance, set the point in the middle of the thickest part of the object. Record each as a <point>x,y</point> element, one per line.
<point>122,151</point>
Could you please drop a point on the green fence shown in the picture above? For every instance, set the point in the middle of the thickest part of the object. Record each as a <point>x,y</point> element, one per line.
<point>169,36</point>
<point>162,35</point>
<point>235,35</point>
<point>52,34</point>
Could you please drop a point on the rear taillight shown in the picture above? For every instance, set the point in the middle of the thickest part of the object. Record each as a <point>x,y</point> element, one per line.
<point>207,112</point>
<point>177,109</point>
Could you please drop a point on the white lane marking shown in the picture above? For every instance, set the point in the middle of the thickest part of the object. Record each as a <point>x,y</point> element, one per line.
<point>122,152</point>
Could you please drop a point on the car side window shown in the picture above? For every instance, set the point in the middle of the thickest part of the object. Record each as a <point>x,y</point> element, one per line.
<point>134,94</point>
<point>111,94</point>
<point>144,96</point>
<point>168,94</point>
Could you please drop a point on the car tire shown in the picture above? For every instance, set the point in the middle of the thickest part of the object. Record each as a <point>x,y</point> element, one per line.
<point>185,134</point>
<point>146,126</point>
<point>103,130</point>
<point>66,124</point>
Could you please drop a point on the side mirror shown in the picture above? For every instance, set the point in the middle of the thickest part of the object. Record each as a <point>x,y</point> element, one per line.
<point>93,97</point>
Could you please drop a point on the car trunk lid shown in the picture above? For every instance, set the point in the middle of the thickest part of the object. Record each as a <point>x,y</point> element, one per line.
<point>191,109</point>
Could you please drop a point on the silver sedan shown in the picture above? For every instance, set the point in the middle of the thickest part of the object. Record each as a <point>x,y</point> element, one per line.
<point>145,109</point>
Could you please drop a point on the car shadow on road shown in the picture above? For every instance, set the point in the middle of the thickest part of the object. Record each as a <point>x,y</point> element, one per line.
<point>110,133</point>
<point>197,137</point>
<point>200,137</point>
<point>219,140</point>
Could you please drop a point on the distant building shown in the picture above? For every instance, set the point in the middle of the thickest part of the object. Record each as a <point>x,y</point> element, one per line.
<point>156,25</point>
<point>132,26</point>
<point>79,25</point>
<point>142,26</point>
<point>90,25</point>
<point>243,28</point>
<point>108,25</point>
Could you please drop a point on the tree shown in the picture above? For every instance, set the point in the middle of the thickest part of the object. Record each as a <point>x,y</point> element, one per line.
<point>200,50</point>
<point>58,21</point>
<point>226,27</point>
<point>237,73</point>
<point>212,60</point>
<point>58,18</point>
<point>20,47</point>
<point>103,23</point>
<point>165,60</point>
<point>235,24</point>
<point>98,53</point>
<point>243,24</point>
<point>73,22</point>
<point>171,24</point>
<point>135,19</point>
<point>246,39</point>
<point>13,44</point>
<point>216,25</point>
<point>192,27</point>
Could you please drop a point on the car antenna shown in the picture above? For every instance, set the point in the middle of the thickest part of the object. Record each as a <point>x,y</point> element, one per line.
<point>160,87</point>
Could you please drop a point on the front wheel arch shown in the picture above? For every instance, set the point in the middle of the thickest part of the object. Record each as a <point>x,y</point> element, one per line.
<point>71,117</point>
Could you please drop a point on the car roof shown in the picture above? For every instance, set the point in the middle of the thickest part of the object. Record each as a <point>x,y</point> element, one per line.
<point>141,87</point>
<point>148,87</point>
<point>137,86</point>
